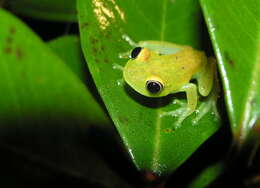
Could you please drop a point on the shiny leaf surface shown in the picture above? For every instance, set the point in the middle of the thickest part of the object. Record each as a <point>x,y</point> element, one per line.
<point>148,138</point>
<point>236,43</point>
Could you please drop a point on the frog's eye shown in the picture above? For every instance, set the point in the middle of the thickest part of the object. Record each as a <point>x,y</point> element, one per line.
<point>154,86</point>
<point>135,52</point>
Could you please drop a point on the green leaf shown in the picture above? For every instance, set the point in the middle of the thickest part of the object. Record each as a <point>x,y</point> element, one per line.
<point>50,123</point>
<point>208,175</point>
<point>145,134</point>
<point>34,78</point>
<point>235,31</point>
<point>36,84</point>
<point>69,50</point>
<point>58,10</point>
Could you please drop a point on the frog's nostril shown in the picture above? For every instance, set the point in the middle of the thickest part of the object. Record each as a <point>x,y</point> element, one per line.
<point>154,86</point>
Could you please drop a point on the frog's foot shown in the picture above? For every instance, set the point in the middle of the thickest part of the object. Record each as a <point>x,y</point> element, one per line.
<point>127,55</point>
<point>129,40</point>
<point>179,102</point>
<point>117,67</point>
<point>124,55</point>
<point>182,113</point>
<point>204,108</point>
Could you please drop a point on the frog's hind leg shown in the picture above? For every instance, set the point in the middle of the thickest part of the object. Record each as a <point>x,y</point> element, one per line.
<point>206,76</point>
<point>209,104</point>
<point>208,82</point>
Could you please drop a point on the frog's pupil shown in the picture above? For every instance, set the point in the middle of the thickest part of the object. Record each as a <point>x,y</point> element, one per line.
<point>135,52</point>
<point>154,86</point>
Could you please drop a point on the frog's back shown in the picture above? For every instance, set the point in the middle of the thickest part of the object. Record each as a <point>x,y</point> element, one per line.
<point>184,65</point>
<point>188,60</point>
<point>162,47</point>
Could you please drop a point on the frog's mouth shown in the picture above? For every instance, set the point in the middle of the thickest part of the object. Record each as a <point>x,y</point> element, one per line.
<point>140,81</point>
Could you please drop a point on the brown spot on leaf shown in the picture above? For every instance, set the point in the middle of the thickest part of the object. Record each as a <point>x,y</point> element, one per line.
<point>106,60</point>
<point>94,50</point>
<point>84,25</point>
<point>9,39</point>
<point>96,60</point>
<point>168,131</point>
<point>12,30</point>
<point>149,124</point>
<point>19,53</point>
<point>229,59</point>
<point>123,119</point>
<point>8,50</point>
<point>105,34</point>
<point>93,40</point>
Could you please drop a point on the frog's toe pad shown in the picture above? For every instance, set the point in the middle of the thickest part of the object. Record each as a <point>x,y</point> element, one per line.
<point>174,113</point>
<point>117,67</point>
<point>119,82</point>
<point>179,102</point>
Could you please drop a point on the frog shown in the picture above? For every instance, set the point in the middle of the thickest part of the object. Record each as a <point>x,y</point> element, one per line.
<point>160,68</point>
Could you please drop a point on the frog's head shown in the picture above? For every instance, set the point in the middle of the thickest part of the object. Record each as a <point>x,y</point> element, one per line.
<point>144,73</point>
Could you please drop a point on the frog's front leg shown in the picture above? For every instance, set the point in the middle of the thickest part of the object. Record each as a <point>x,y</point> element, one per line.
<point>127,54</point>
<point>192,99</point>
<point>129,40</point>
<point>185,111</point>
<point>116,66</point>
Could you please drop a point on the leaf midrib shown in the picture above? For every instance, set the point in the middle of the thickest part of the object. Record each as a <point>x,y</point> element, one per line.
<point>159,119</point>
<point>164,8</point>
